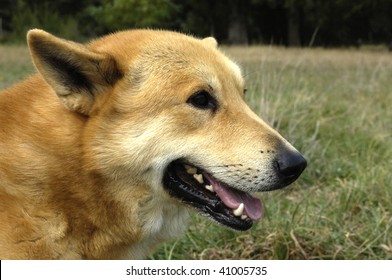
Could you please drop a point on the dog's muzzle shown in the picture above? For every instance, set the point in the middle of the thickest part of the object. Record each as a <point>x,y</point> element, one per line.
<point>227,205</point>
<point>199,189</point>
<point>289,166</point>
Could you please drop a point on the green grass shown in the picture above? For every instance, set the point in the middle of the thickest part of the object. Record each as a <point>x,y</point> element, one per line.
<point>15,64</point>
<point>335,107</point>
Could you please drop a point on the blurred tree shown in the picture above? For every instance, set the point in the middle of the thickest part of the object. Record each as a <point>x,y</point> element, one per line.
<point>204,18</point>
<point>120,14</point>
<point>59,17</point>
<point>294,13</point>
<point>326,23</point>
<point>288,22</point>
<point>349,22</point>
<point>238,21</point>
<point>6,9</point>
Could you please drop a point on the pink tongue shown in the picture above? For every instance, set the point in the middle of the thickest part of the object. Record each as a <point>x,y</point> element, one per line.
<point>233,198</point>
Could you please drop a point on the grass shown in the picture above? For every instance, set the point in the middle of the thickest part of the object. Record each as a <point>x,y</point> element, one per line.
<point>15,64</point>
<point>334,106</point>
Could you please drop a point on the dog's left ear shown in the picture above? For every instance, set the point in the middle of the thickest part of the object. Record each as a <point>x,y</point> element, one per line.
<point>77,74</point>
<point>210,41</point>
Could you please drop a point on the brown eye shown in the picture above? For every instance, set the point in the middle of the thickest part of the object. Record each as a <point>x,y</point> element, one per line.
<point>202,100</point>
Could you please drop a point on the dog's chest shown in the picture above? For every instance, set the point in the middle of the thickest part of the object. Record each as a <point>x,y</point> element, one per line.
<point>162,221</point>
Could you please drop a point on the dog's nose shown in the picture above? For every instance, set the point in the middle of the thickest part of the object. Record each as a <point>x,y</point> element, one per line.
<point>290,165</point>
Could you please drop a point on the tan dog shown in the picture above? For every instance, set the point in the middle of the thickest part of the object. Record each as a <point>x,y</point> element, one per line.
<point>104,151</point>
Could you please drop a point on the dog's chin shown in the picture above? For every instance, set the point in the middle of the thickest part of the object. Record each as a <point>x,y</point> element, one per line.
<point>200,190</point>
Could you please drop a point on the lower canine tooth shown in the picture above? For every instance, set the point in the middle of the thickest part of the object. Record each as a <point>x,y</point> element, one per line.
<point>199,178</point>
<point>244,217</point>
<point>239,211</point>
<point>210,188</point>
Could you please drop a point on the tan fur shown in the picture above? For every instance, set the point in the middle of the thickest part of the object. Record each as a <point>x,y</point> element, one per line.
<point>84,143</point>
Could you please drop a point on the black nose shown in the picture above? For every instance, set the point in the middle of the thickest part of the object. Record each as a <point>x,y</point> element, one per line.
<point>290,165</point>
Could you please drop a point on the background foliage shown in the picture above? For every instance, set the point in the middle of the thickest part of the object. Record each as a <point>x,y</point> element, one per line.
<point>285,22</point>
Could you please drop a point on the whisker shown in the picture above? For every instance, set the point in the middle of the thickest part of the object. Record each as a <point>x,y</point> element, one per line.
<point>250,73</point>
<point>223,165</point>
<point>224,171</point>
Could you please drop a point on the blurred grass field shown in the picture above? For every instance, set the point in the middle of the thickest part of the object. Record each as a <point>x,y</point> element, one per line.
<point>335,107</point>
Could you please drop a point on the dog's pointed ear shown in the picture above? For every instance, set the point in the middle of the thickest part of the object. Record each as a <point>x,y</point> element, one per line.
<point>76,73</point>
<point>210,41</point>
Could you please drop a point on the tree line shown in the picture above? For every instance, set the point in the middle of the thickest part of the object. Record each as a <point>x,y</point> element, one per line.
<point>281,22</point>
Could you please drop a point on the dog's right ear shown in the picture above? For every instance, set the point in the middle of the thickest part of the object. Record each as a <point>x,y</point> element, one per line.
<point>211,41</point>
<point>76,73</point>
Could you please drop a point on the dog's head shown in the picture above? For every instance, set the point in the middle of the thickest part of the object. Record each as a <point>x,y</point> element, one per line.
<point>166,111</point>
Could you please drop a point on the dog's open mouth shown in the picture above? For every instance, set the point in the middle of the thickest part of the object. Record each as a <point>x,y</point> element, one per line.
<point>199,189</point>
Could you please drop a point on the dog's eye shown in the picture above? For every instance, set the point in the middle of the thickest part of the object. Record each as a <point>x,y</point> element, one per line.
<point>202,100</point>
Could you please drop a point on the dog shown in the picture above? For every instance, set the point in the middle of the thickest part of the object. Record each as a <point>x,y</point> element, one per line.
<point>106,148</point>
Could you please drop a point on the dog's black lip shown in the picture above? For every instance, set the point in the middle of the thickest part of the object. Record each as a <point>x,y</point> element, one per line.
<point>203,201</point>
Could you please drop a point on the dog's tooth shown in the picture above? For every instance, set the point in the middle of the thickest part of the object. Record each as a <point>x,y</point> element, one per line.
<point>190,169</point>
<point>199,178</point>
<point>210,188</point>
<point>239,211</point>
<point>244,217</point>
